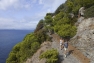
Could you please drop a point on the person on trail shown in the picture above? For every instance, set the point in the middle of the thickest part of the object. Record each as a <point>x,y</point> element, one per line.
<point>65,48</point>
<point>61,43</point>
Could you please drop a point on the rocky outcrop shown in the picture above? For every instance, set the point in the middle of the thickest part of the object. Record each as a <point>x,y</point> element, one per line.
<point>81,11</point>
<point>84,39</point>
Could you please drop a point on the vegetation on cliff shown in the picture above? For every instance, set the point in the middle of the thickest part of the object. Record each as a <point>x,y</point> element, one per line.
<point>26,48</point>
<point>60,22</point>
<point>50,55</point>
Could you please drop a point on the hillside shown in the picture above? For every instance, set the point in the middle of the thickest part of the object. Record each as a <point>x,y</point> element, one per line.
<point>72,21</point>
<point>72,57</point>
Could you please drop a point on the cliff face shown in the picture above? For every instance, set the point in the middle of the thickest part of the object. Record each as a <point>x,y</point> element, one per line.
<point>84,39</point>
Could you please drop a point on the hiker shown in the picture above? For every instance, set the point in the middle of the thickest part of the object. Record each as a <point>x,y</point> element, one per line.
<point>65,48</point>
<point>61,43</point>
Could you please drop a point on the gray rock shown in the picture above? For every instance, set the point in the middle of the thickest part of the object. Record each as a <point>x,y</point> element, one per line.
<point>84,39</point>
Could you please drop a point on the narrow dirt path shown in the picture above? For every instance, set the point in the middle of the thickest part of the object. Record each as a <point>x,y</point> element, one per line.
<point>74,55</point>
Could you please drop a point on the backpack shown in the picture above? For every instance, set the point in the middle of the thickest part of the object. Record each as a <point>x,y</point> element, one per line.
<point>65,44</point>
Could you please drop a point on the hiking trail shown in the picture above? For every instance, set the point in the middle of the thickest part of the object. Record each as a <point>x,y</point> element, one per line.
<point>74,55</point>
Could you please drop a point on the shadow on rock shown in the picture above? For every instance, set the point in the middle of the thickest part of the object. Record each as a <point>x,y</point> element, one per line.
<point>70,52</point>
<point>61,58</point>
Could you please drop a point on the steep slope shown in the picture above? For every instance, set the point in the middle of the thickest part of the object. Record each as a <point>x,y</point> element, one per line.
<point>84,39</point>
<point>35,58</point>
<point>70,58</point>
<point>74,55</point>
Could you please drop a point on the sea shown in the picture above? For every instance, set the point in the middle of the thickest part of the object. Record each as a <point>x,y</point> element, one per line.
<point>8,39</point>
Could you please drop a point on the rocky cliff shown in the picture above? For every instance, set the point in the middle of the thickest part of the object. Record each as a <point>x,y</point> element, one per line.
<point>84,39</point>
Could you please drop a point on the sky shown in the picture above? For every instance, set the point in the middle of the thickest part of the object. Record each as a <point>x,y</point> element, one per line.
<point>25,14</point>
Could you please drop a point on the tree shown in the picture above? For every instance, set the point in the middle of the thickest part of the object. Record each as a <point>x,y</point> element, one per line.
<point>40,25</point>
<point>67,30</point>
<point>50,55</point>
<point>12,58</point>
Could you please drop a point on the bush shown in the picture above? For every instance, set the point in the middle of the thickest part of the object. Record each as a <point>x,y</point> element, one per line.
<point>50,55</point>
<point>24,49</point>
<point>67,30</point>
<point>89,12</point>
<point>12,58</point>
<point>34,47</point>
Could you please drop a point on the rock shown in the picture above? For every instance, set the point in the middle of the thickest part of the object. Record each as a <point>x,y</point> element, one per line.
<point>84,39</point>
<point>81,11</point>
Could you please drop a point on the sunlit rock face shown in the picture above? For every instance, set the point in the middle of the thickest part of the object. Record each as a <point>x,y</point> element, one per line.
<point>84,39</point>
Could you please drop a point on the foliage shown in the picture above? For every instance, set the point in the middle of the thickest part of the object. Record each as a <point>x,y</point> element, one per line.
<point>89,12</point>
<point>34,47</point>
<point>58,17</point>
<point>59,8</point>
<point>12,58</point>
<point>42,36</point>
<point>40,25</point>
<point>64,25</point>
<point>50,55</point>
<point>74,5</point>
<point>51,14</point>
<point>24,49</point>
<point>87,3</point>
<point>48,20</point>
<point>27,47</point>
<point>67,30</point>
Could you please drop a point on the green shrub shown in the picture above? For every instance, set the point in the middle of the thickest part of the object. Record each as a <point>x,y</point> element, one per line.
<point>34,47</point>
<point>67,30</point>
<point>12,58</point>
<point>40,25</point>
<point>24,49</point>
<point>50,55</point>
<point>89,12</point>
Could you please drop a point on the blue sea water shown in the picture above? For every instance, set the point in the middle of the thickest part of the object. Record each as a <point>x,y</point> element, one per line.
<point>8,39</point>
